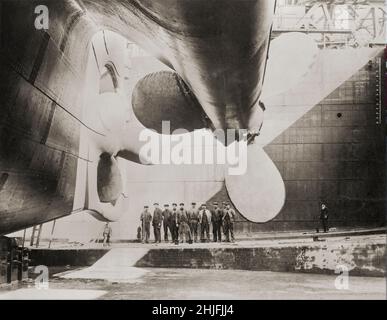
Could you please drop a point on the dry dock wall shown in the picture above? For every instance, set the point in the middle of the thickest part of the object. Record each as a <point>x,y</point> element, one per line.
<point>358,260</point>
<point>366,260</point>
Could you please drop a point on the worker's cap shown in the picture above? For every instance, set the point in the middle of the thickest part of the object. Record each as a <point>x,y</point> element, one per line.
<point>146,207</point>
<point>204,205</point>
<point>156,204</point>
<point>174,204</point>
<point>193,203</point>
<point>215,203</point>
<point>166,205</point>
<point>181,203</point>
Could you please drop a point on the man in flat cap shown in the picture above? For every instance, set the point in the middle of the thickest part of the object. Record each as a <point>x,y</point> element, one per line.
<point>174,224</point>
<point>204,221</point>
<point>146,219</point>
<point>107,233</point>
<point>166,221</point>
<point>324,217</point>
<point>156,222</point>
<point>217,215</point>
<point>193,217</point>
<point>184,230</point>
<point>228,221</point>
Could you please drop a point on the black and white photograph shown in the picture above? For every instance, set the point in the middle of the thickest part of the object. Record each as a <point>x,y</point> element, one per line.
<point>193,150</point>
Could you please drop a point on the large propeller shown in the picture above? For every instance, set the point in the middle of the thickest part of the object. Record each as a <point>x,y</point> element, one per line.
<point>258,192</point>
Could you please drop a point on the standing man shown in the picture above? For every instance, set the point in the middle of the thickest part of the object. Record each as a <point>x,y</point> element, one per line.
<point>204,221</point>
<point>228,221</point>
<point>174,224</point>
<point>166,221</point>
<point>217,215</point>
<point>156,222</point>
<point>107,233</point>
<point>139,231</point>
<point>324,217</point>
<point>222,223</point>
<point>146,219</point>
<point>184,230</point>
<point>193,217</point>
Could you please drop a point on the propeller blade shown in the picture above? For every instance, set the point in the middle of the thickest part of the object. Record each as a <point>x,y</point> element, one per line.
<point>109,181</point>
<point>294,52</point>
<point>259,193</point>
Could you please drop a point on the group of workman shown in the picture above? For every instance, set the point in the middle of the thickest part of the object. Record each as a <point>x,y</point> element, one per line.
<point>187,225</point>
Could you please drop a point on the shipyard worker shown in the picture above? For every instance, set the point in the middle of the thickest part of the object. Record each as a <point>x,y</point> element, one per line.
<point>204,221</point>
<point>181,209</point>
<point>193,218</point>
<point>324,217</point>
<point>174,224</point>
<point>157,221</point>
<point>146,219</point>
<point>184,230</point>
<point>217,215</point>
<point>228,222</point>
<point>166,221</point>
<point>139,233</point>
<point>107,233</point>
<point>224,203</point>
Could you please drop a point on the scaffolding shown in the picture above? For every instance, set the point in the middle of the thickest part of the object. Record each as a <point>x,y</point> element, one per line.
<point>334,23</point>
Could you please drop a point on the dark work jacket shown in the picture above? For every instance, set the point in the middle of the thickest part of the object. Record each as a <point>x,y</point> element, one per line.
<point>217,215</point>
<point>167,215</point>
<point>174,218</point>
<point>157,217</point>
<point>182,216</point>
<point>324,213</point>
<point>193,215</point>
<point>229,215</point>
<point>146,217</point>
<point>205,216</point>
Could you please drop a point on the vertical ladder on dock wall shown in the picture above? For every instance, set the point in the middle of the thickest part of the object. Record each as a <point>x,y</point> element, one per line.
<point>52,233</point>
<point>36,231</point>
